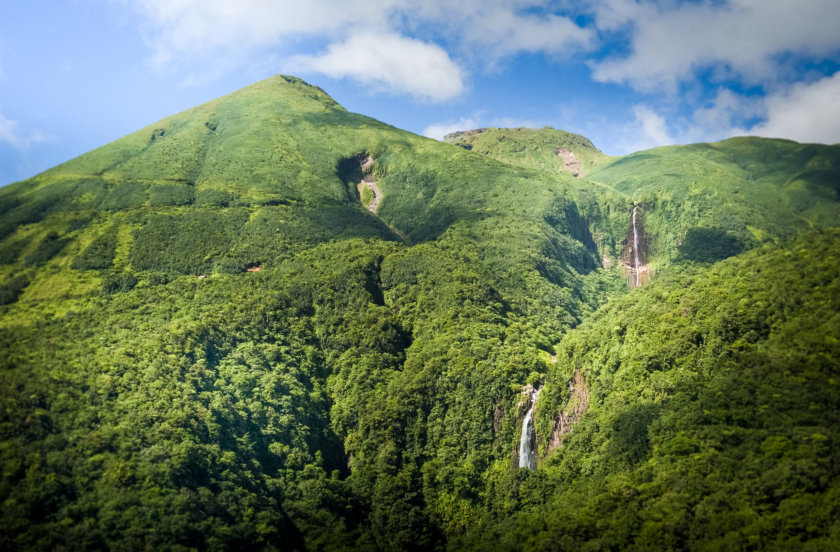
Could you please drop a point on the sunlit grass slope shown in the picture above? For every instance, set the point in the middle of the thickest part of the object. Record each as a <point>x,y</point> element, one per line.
<point>700,202</point>
<point>747,189</point>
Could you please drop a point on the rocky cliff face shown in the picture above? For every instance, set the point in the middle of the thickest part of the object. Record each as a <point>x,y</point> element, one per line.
<point>572,412</point>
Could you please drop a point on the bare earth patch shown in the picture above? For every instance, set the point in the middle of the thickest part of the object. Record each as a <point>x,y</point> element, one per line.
<point>570,162</point>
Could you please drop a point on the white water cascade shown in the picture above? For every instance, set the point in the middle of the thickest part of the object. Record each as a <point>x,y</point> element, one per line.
<point>528,440</point>
<point>635,247</point>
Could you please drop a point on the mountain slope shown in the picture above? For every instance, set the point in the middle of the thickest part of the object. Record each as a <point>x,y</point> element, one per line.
<point>749,189</point>
<point>202,322</point>
<point>696,203</point>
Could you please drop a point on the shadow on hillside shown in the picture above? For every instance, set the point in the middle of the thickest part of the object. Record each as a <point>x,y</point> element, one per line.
<point>433,222</point>
<point>630,434</point>
<point>708,245</point>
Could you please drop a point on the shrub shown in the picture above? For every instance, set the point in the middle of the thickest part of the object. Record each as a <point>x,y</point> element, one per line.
<point>11,290</point>
<point>9,253</point>
<point>47,249</point>
<point>99,254</point>
<point>126,195</point>
<point>171,194</point>
<point>115,283</point>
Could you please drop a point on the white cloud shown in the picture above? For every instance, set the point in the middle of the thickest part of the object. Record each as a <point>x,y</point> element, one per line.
<point>8,130</point>
<point>613,14</point>
<point>741,38</point>
<point>181,28</point>
<point>428,49</point>
<point>499,31</point>
<point>439,130</point>
<point>805,112</point>
<point>393,62</point>
<point>724,117</point>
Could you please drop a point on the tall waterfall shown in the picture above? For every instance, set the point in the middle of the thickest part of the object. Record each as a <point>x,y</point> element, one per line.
<point>528,440</point>
<point>635,246</point>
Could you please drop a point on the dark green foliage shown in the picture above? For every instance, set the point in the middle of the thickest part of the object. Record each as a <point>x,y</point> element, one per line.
<point>714,411</point>
<point>125,195</point>
<point>119,282</point>
<point>28,213</point>
<point>8,204</point>
<point>275,233</point>
<point>349,170</point>
<point>186,244</point>
<point>77,224</point>
<point>171,194</point>
<point>708,245</point>
<point>99,254</point>
<point>48,248</point>
<point>10,252</point>
<point>11,289</point>
<point>216,198</point>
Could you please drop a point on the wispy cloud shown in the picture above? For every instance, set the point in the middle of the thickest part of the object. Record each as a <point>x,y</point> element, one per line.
<point>441,129</point>
<point>646,129</point>
<point>11,133</point>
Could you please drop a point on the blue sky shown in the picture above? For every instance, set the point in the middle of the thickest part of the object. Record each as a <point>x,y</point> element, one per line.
<point>628,74</point>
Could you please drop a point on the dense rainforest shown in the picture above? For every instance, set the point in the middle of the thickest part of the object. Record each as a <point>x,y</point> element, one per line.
<point>270,323</point>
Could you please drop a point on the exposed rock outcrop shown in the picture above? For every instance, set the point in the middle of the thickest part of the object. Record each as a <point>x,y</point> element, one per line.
<point>369,182</point>
<point>570,161</point>
<point>571,414</point>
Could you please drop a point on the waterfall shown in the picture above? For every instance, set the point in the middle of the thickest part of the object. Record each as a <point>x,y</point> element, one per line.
<point>528,440</point>
<point>635,247</point>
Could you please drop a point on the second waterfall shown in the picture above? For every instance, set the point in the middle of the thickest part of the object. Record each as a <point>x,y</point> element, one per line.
<point>635,246</point>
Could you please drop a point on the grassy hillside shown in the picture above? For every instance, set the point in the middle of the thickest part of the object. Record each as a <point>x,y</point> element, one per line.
<point>697,203</point>
<point>737,193</point>
<point>209,341</point>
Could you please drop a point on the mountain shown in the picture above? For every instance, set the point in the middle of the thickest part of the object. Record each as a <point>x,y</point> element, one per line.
<point>267,322</point>
<point>701,202</point>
